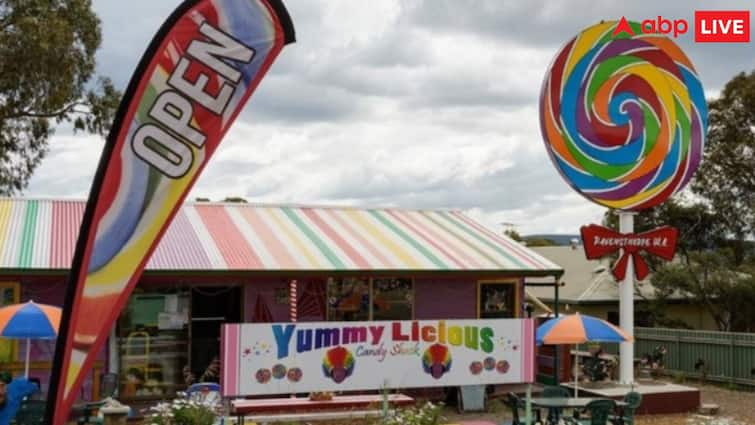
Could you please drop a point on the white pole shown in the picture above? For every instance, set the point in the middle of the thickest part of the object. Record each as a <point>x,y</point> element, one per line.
<point>626,307</point>
<point>28,350</point>
<point>576,372</point>
<point>528,406</point>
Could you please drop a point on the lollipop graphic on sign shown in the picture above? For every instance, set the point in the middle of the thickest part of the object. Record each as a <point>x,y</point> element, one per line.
<point>436,360</point>
<point>623,116</point>
<point>338,364</point>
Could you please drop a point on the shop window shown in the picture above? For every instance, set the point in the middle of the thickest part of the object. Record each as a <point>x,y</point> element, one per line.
<point>497,300</point>
<point>392,299</point>
<point>9,294</point>
<point>348,299</point>
<point>153,339</point>
<point>352,299</point>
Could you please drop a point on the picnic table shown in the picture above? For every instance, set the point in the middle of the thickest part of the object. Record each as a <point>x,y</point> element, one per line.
<point>568,402</point>
<point>288,409</point>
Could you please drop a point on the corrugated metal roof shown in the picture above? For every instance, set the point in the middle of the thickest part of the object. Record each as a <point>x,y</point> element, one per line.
<point>41,234</point>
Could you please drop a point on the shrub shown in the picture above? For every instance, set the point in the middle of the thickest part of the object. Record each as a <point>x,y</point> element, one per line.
<point>182,412</point>
<point>427,414</point>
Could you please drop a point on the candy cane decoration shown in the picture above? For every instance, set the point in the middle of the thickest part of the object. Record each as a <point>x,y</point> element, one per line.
<point>292,299</point>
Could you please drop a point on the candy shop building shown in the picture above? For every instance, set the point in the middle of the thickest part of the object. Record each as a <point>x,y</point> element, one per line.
<point>235,263</point>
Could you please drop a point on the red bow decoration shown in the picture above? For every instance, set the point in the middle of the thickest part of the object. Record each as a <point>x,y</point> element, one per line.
<point>600,241</point>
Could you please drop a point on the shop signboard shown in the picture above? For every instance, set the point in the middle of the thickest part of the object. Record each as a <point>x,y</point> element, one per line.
<point>285,358</point>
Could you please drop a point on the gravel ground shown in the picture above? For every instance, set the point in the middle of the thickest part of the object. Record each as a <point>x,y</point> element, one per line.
<point>737,407</point>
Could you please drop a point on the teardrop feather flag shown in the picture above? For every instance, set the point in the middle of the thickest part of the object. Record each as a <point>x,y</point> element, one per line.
<point>194,79</point>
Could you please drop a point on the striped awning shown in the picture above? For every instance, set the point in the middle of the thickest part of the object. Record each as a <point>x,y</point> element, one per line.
<point>41,234</point>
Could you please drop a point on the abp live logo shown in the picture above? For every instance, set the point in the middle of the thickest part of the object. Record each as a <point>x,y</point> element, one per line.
<point>722,26</point>
<point>711,26</point>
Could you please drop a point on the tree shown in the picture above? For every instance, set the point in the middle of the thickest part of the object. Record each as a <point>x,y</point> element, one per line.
<point>513,234</point>
<point>707,271</point>
<point>47,63</point>
<point>713,282</point>
<point>699,226</point>
<point>235,200</point>
<point>534,242</point>
<point>726,178</point>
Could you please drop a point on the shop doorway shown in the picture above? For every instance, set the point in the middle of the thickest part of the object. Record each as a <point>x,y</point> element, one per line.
<point>210,308</point>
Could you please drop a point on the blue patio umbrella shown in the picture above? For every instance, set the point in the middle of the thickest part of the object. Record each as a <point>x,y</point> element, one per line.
<point>578,329</point>
<point>29,321</point>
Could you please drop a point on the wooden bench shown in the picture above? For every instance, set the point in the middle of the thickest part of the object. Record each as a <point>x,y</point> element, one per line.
<point>285,409</point>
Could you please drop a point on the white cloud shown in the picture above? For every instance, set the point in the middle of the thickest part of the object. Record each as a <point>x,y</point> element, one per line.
<point>413,103</point>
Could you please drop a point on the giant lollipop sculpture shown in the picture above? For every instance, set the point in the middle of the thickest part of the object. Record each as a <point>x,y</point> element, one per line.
<point>623,116</point>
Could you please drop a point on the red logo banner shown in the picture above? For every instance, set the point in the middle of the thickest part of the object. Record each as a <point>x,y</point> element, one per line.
<point>601,241</point>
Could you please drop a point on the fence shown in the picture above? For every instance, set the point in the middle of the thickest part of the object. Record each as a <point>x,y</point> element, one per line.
<point>727,356</point>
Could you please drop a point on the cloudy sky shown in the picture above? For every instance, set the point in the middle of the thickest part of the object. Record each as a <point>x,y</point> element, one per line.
<point>410,103</point>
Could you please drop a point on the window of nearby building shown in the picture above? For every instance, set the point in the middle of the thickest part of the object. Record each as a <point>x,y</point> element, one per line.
<point>354,298</point>
<point>613,317</point>
<point>348,299</point>
<point>497,299</point>
<point>153,337</point>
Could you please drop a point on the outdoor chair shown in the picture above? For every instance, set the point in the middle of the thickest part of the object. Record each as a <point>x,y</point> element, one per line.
<point>599,410</point>
<point>633,401</point>
<point>513,402</point>
<point>108,388</point>
<point>31,412</point>
<point>554,414</point>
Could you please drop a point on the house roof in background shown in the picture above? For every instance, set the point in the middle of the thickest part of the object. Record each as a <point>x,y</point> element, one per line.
<point>585,281</point>
<point>41,234</point>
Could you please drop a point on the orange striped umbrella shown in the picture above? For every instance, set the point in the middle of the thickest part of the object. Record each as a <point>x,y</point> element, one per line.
<point>29,321</point>
<point>579,329</point>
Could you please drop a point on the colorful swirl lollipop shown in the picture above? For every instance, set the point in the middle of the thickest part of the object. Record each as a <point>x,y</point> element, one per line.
<point>436,360</point>
<point>623,116</point>
<point>338,364</point>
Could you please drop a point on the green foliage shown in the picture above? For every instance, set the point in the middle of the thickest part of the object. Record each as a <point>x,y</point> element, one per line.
<point>711,279</point>
<point>539,242</point>
<point>513,234</point>
<point>726,178</point>
<point>47,59</point>
<point>427,414</point>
